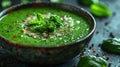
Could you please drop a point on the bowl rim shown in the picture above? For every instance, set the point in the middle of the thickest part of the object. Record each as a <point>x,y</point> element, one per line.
<point>49,47</point>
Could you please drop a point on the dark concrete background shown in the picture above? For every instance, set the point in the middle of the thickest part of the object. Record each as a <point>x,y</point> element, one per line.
<point>107,27</point>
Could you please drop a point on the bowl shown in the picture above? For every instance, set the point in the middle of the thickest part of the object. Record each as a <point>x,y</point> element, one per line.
<point>48,55</point>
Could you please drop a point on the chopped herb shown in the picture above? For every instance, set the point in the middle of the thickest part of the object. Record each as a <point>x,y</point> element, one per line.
<point>39,28</point>
<point>45,25</point>
<point>40,17</point>
<point>33,22</point>
<point>51,27</point>
<point>55,19</point>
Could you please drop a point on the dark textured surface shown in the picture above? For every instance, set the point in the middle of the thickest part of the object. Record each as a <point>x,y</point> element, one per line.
<point>106,28</point>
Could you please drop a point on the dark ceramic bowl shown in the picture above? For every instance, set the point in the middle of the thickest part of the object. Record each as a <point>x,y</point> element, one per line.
<point>48,55</point>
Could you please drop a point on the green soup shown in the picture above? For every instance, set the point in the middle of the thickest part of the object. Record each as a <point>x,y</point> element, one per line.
<point>74,27</point>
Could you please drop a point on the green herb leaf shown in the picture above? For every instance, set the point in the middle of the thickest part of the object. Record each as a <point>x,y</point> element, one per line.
<point>48,25</point>
<point>51,27</point>
<point>6,3</point>
<point>39,28</point>
<point>100,9</point>
<point>40,17</point>
<point>56,20</point>
<point>111,45</point>
<point>33,22</point>
<point>24,1</point>
<point>92,61</point>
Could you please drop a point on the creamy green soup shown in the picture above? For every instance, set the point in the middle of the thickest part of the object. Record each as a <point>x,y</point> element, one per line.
<point>14,27</point>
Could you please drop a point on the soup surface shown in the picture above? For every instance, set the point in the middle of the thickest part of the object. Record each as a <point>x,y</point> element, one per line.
<point>26,26</point>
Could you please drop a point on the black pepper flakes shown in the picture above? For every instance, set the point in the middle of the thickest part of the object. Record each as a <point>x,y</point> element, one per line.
<point>109,65</point>
<point>111,35</point>
<point>97,55</point>
<point>107,58</point>
<point>92,45</point>
<point>107,22</point>
<point>97,32</point>
<point>99,45</point>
